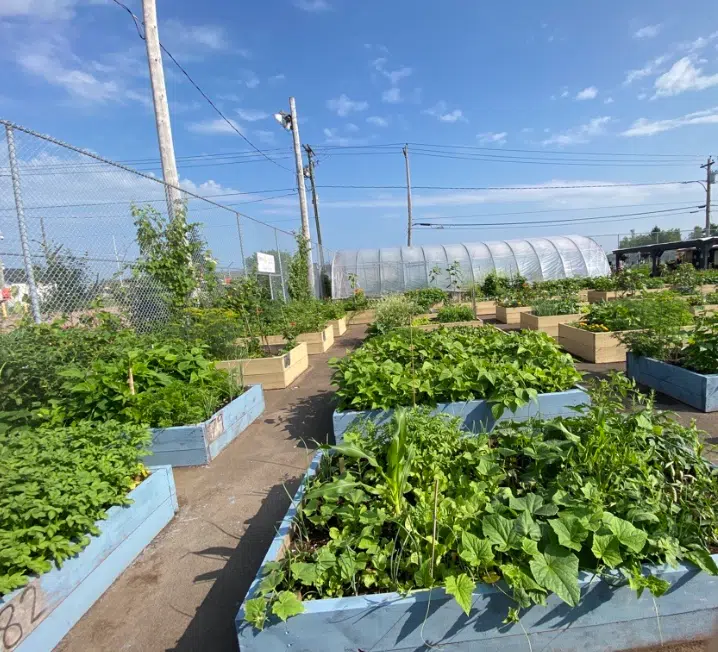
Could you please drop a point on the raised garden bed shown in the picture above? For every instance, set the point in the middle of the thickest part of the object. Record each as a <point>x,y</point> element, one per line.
<point>708,309</point>
<point>548,324</point>
<point>36,617</point>
<point>451,324</point>
<point>476,416</point>
<point>200,443</point>
<point>590,346</point>
<point>697,390</point>
<point>609,616</point>
<point>363,317</point>
<point>510,315</point>
<point>274,372</point>
<point>339,326</point>
<point>482,307</point>
<point>317,342</point>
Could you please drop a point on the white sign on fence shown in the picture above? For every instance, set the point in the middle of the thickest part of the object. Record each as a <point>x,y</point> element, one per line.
<point>265,263</point>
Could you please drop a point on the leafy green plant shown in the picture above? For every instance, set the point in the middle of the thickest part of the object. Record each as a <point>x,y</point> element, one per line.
<point>567,305</point>
<point>660,310</point>
<point>454,312</point>
<point>394,312</point>
<point>298,280</point>
<point>408,367</point>
<point>55,482</point>
<point>173,254</point>
<point>417,503</point>
<point>496,285</point>
<point>701,351</point>
<point>425,298</point>
<point>684,278</point>
<point>603,283</point>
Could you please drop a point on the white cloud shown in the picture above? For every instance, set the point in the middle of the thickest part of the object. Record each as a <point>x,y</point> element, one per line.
<point>588,93</point>
<point>275,79</point>
<point>377,121</point>
<point>394,76</point>
<point>642,96</point>
<point>216,126</point>
<point>608,100</point>
<point>343,106</point>
<point>650,68</point>
<point>646,127</point>
<point>267,137</point>
<point>334,137</point>
<point>564,92</point>
<point>441,112</point>
<point>351,127</point>
<point>312,5</point>
<point>392,96</point>
<point>581,134</point>
<point>649,31</point>
<point>492,137</point>
<point>42,9</point>
<point>249,79</point>
<point>191,40</point>
<point>251,115</point>
<point>683,76</point>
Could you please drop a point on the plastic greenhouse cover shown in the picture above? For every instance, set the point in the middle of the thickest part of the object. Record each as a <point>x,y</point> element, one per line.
<point>384,271</point>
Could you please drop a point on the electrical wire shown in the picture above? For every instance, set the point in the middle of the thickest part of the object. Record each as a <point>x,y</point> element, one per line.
<point>517,188</point>
<point>201,92</point>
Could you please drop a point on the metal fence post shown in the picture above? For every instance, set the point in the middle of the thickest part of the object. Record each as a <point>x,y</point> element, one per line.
<point>281,270</point>
<point>29,273</point>
<point>241,245</point>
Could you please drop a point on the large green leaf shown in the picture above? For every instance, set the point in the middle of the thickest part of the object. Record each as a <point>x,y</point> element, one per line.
<point>286,605</point>
<point>570,531</point>
<point>255,612</point>
<point>703,560</point>
<point>500,531</point>
<point>527,527</point>
<point>462,588</point>
<point>627,533</point>
<point>529,503</point>
<point>304,572</point>
<point>605,548</point>
<point>475,551</point>
<point>557,570</point>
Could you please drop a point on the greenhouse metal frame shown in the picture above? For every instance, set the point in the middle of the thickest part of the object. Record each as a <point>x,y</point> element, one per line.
<point>398,269</point>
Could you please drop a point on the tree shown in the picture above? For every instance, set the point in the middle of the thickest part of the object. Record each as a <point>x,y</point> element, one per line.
<point>298,280</point>
<point>699,231</point>
<point>656,236</point>
<point>173,255</point>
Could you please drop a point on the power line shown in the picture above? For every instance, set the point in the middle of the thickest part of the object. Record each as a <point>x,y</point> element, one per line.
<point>517,188</point>
<point>659,213</point>
<point>201,92</point>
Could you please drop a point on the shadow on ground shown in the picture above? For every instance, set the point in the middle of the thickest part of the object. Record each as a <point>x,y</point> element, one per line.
<point>310,419</point>
<point>214,619</point>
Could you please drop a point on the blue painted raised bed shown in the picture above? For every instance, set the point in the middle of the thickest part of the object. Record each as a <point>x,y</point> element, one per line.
<point>697,390</point>
<point>201,443</point>
<point>608,617</point>
<point>476,415</point>
<point>37,616</point>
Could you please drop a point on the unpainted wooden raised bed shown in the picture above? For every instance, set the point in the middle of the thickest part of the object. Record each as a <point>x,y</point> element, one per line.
<point>339,326</point>
<point>317,342</point>
<point>590,346</point>
<point>273,372</point>
<point>510,315</point>
<point>548,324</point>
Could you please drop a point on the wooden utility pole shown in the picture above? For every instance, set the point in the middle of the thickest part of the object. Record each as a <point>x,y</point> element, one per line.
<point>162,112</point>
<point>301,189</point>
<point>405,149</point>
<point>709,179</point>
<point>315,201</point>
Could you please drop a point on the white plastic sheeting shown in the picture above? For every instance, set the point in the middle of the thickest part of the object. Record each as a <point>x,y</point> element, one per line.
<point>384,271</point>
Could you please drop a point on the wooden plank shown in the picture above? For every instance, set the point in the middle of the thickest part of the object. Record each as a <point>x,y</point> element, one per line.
<point>592,347</point>
<point>36,617</point>
<point>339,326</point>
<point>510,315</point>
<point>363,317</point>
<point>452,324</point>
<point>276,372</point>
<point>547,324</point>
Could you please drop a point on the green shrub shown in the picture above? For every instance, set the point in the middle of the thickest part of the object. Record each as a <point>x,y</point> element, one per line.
<point>452,313</point>
<point>55,482</point>
<point>333,309</point>
<point>701,352</point>
<point>495,285</point>
<point>410,367</point>
<point>425,298</point>
<point>562,306</point>
<point>416,504</point>
<point>655,311</point>
<point>603,283</point>
<point>394,312</point>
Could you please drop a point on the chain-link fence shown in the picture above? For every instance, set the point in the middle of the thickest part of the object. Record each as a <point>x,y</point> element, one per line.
<point>69,237</point>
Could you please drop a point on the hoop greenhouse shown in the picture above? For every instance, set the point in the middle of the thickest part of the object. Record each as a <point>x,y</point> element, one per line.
<point>397,269</point>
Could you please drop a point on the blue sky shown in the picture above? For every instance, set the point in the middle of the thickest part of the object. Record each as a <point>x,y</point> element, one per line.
<point>565,80</point>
